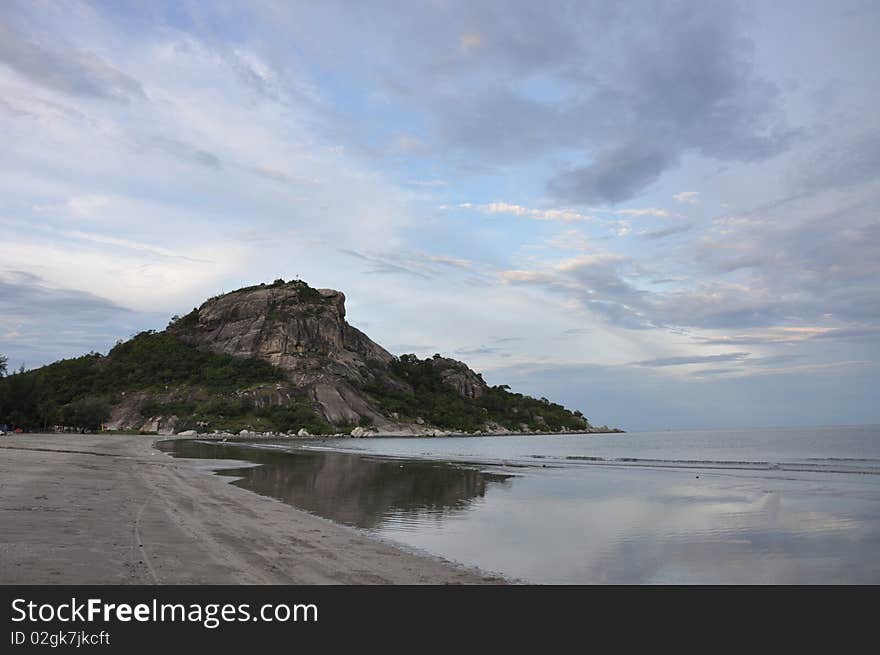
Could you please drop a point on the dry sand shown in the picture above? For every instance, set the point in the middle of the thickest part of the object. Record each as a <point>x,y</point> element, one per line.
<point>97,509</point>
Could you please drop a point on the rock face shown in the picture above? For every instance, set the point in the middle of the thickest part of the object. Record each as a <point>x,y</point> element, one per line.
<point>291,325</point>
<point>457,375</point>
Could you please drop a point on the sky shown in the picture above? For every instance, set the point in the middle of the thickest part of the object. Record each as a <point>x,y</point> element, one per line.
<point>661,213</point>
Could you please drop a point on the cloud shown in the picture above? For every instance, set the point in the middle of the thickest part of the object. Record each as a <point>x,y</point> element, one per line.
<point>24,294</point>
<point>616,175</point>
<point>527,277</point>
<point>415,264</point>
<point>605,284</point>
<point>481,350</point>
<point>87,206</point>
<point>650,211</point>
<point>615,97</point>
<point>127,244</point>
<point>40,322</point>
<point>561,215</point>
<point>470,41</point>
<point>666,232</point>
<point>778,267</point>
<point>843,164</point>
<point>692,359</point>
<point>688,197</point>
<point>65,69</point>
<point>788,335</point>
<point>455,262</point>
<point>380,265</point>
<point>506,339</point>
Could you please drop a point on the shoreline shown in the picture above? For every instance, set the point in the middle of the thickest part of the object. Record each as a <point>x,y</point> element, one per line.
<point>113,509</point>
<point>255,436</point>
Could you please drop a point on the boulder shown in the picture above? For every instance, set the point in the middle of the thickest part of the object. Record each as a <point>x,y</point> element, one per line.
<point>460,377</point>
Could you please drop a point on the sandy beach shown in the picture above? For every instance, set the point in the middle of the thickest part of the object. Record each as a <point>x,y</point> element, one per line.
<point>97,509</point>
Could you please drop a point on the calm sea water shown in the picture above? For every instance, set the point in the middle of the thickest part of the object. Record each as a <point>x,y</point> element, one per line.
<point>798,505</point>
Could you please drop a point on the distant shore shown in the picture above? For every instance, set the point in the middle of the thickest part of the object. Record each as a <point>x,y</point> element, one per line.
<point>112,509</point>
<point>365,434</point>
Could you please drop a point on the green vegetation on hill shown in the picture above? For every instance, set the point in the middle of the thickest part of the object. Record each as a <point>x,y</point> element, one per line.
<point>157,358</point>
<point>234,412</point>
<point>80,392</point>
<point>439,404</point>
<point>305,293</point>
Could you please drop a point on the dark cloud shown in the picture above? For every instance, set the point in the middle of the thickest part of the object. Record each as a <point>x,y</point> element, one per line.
<point>482,350</point>
<point>40,324</point>
<point>853,333</point>
<point>685,83</point>
<point>711,372</point>
<point>206,159</point>
<point>614,176</point>
<point>666,232</point>
<point>624,89</point>
<point>773,360</point>
<point>621,91</point>
<point>64,69</point>
<point>25,295</point>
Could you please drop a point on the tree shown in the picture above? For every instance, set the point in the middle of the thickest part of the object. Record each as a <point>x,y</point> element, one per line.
<point>3,361</point>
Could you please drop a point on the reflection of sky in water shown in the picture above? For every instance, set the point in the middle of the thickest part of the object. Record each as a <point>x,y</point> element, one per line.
<point>596,524</point>
<point>644,526</point>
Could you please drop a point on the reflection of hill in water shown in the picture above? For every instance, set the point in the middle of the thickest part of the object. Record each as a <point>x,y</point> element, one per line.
<point>352,489</point>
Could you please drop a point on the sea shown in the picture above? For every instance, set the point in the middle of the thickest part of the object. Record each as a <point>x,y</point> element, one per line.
<point>756,506</point>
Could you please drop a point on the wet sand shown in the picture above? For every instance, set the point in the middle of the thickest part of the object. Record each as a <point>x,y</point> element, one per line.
<point>97,509</point>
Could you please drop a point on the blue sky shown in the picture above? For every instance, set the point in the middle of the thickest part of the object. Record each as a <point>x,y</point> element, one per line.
<point>661,213</point>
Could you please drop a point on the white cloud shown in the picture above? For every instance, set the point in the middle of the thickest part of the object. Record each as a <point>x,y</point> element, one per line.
<point>526,276</point>
<point>689,197</point>
<point>649,211</point>
<point>87,205</point>
<point>561,215</point>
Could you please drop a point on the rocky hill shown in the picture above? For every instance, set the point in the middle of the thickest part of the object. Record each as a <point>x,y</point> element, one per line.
<point>273,357</point>
<point>303,332</point>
